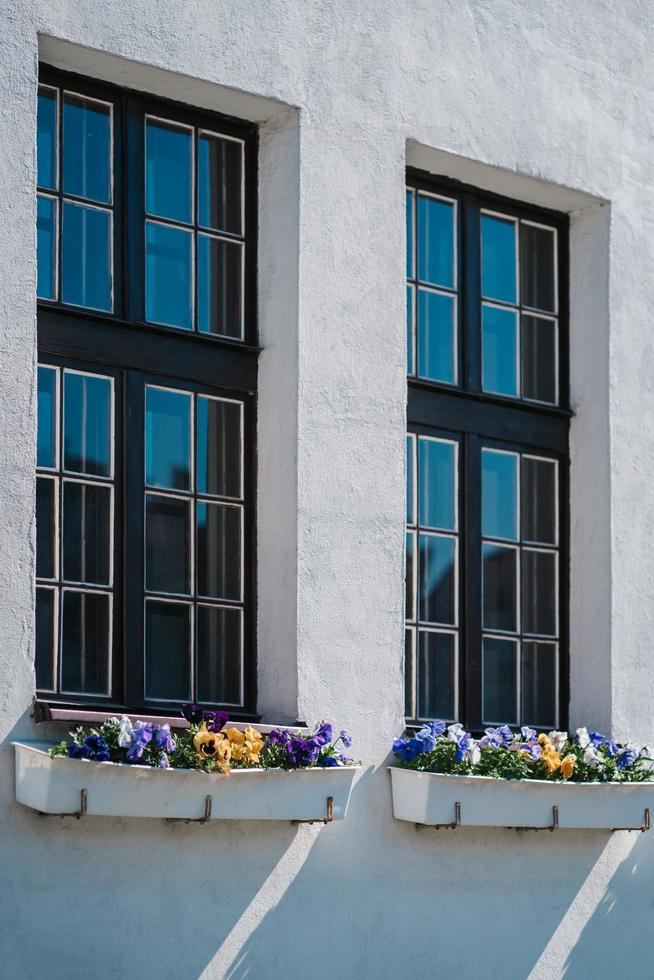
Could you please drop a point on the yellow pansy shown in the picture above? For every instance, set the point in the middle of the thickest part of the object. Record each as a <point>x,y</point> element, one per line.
<point>246,745</point>
<point>212,747</point>
<point>568,766</point>
<point>551,760</point>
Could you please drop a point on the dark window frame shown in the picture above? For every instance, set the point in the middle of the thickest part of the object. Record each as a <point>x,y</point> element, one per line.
<point>123,344</point>
<point>470,415</point>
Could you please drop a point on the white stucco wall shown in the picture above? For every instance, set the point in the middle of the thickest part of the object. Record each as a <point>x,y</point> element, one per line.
<point>547,101</point>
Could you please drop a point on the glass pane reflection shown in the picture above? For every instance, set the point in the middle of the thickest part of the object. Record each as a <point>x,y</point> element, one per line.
<point>167,438</point>
<point>499,351</point>
<point>219,183</point>
<point>220,287</point>
<point>539,504</point>
<point>46,140</point>
<point>85,632</point>
<point>499,494</point>
<point>168,163</point>
<point>500,683</point>
<point>87,424</point>
<point>538,337</point>
<point>167,650</point>
<point>436,666</point>
<point>219,655</point>
<point>86,263</point>
<point>167,544</point>
<point>499,588</point>
<point>218,447</point>
<point>46,247</point>
<point>168,276</point>
<point>45,528</point>
<point>437,579</point>
<point>435,241</point>
<point>87,149</point>
<point>219,551</point>
<point>537,262</point>
<point>437,481</point>
<point>436,333</point>
<point>538,587</point>
<point>46,443</point>
<point>498,259</point>
<point>45,639</point>
<point>539,684</point>
<point>86,533</point>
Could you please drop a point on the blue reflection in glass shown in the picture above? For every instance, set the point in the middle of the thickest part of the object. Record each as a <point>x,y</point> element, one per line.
<point>437,557</point>
<point>167,439</point>
<point>498,259</point>
<point>46,439</point>
<point>499,353</point>
<point>435,241</point>
<point>219,183</point>
<point>168,183</point>
<point>168,265</point>
<point>86,257</point>
<point>499,495</point>
<point>87,149</point>
<point>410,502</point>
<point>409,234</point>
<point>46,238</point>
<point>219,287</point>
<point>436,336</point>
<point>87,424</point>
<point>46,141</point>
<point>436,484</point>
<point>409,330</point>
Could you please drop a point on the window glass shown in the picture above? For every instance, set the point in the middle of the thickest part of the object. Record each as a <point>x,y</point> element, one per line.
<point>538,341</point>
<point>87,149</point>
<point>219,657</point>
<point>220,286</point>
<point>85,642</point>
<point>436,675</point>
<point>499,350</point>
<point>435,241</point>
<point>537,267</point>
<point>168,170</point>
<point>167,650</point>
<point>86,533</point>
<point>86,262</point>
<point>46,447</point>
<point>437,483</point>
<point>499,474</point>
<point>498,259</point>
<point>88,430</point>
<point>168,276</point>
<point>46,247</point>
<point>220,177</point>
<point>167,544</point>
<point>436,336</point>
<point>500,681</point>
<point>168,439</point>
<point>218,447</point>
<point>46,139</point>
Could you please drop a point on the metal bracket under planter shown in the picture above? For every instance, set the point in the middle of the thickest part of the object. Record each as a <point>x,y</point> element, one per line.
<point>645,826</point>
<point>83,802</point>
<point>329,814</point>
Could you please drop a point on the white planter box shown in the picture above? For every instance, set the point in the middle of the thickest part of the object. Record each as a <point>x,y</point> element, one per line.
<point>480,801</point>
<point>109,789</point>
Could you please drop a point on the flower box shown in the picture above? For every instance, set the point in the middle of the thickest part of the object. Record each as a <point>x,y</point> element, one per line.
<point>77,787</point>
<point>441,800</point>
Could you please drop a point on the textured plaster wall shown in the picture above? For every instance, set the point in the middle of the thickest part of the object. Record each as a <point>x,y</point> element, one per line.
<point>549,101</point>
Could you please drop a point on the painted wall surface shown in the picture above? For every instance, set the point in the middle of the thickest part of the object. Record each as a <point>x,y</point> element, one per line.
<point>551,102</point>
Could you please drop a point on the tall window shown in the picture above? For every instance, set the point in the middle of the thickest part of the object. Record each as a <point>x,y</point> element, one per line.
<point>487,458</point>
<point>146,234</point>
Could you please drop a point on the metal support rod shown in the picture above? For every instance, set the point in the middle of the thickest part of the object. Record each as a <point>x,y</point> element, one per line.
<point>645,825</point>
<point>329,814</point>
<point>208,801</point>
<point>445,826</point>
<point>82,804</point>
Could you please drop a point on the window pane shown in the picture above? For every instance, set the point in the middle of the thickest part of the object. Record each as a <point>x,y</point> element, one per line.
<point>539,500</point>
<point>499,351</point>
<point>409,235</point>
<point>46,442</point>
<point>87,149</point>
<point>167,544</point>
<point>410,366</point>
<point>86,533</point>
<point>45,639</point>
<point>219,551</point>
<point>220,308</point>
<point>86,257</point>
<point>167,650</point>
<point>436,665</point>
<point>409,669</point>
<point>435,241</point>
<point>219,183</point>
<point>45,528</point>
<point>87,424</point>
<point>410,497</point>
<point>539,359</point>
<point>437,484</point>
<point>538,589</point>
<point>46,247</point>
<point>499,681</point>
<point>499,494</point>
<point>537,267</point>
<point>168,276</point>
<point>500,588</point>
<point>219,655</point>
<point>167,439</point>
<point>46,140</point>
<point>436,336</point>
<point>410,557</point>
<point>498,259</point>
<point>539,684</point>
<point>85,642</point>
<point>437,579</point>
<point>218,447</point>
<point>168,178</point>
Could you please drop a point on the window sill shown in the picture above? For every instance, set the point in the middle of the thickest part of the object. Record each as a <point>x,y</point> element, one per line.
<point>438,800</point>
<point>45,711</point>
<point>72,787</point>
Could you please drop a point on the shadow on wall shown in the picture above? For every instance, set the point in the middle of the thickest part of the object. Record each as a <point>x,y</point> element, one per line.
<point>616,940</point>
<point>368,897</point>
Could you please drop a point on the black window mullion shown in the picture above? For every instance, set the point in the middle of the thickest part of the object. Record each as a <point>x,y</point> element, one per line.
<point>134,537</point>
<point>134,200</point>
<point>471,291</point>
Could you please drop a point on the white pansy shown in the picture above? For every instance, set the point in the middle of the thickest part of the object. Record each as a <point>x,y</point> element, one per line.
<point>454,732</point>
<point>515,745</point>
<point>125,732</point>
<point>583,738</point>
<point>473,754</point>
<point>558,739</point>
<point>592,757</point>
